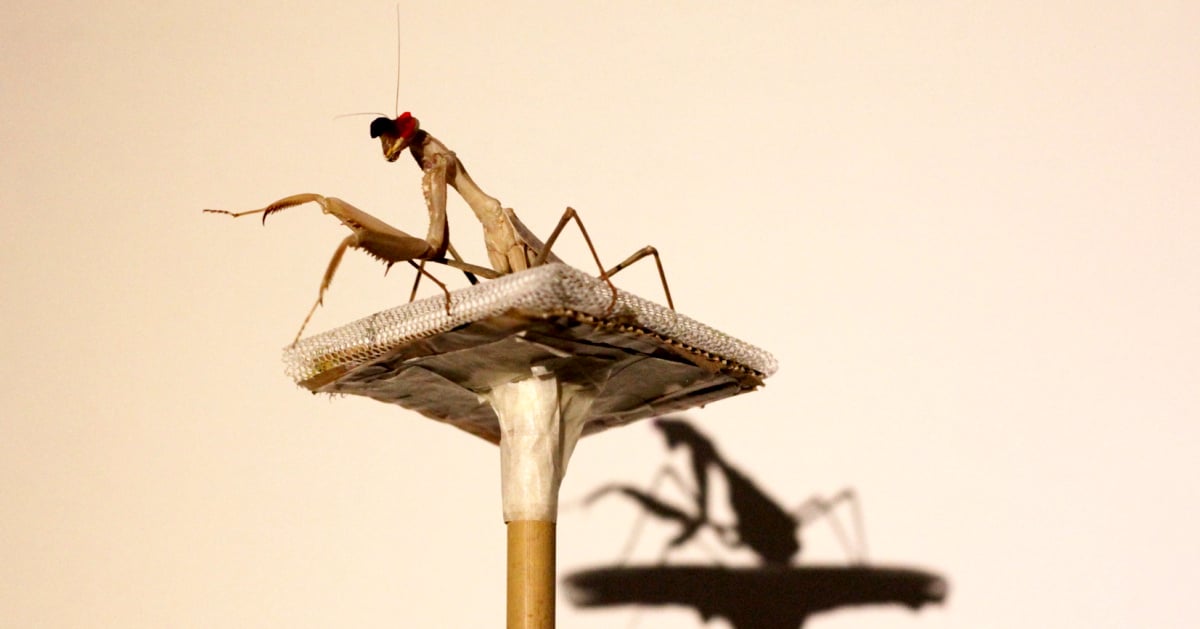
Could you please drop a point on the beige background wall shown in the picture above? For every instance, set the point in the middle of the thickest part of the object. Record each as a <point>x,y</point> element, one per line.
<point>969,233</point>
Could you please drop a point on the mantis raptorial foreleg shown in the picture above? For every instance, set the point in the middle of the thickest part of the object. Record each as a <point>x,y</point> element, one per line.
<point>377,238</point>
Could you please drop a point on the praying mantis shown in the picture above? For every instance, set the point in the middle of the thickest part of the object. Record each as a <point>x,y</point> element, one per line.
<point>511,246</point>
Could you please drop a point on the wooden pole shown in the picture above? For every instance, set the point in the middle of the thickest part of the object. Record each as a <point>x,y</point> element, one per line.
<point>531,574</point>
<point>540,421</point>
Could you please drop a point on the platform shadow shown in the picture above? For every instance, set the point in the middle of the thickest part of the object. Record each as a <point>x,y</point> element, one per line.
<point>755,598</point>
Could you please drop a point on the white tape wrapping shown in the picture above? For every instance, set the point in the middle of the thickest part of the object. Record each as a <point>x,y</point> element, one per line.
<point>540,422</point>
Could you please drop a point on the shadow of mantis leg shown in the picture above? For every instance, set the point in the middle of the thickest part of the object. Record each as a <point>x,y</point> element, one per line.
<point>819,506</point>
<point>690,524</point>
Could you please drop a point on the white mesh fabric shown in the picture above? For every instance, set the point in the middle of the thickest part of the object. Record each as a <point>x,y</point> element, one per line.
<point>546,288</point>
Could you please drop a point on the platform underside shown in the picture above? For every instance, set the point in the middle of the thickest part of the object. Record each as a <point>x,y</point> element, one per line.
<point>640,359</point>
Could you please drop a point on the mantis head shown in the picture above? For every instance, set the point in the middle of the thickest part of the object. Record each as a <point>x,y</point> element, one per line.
<point>394,133</point>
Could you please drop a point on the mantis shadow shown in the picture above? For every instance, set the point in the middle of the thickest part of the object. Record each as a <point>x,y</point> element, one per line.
<point>777,593</point>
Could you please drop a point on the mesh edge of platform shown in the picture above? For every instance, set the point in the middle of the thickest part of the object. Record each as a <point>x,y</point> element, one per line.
<point>550,288</point>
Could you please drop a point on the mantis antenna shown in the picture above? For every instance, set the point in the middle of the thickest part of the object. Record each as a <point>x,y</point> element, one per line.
<point>359,113</point>
<point>396,104</point>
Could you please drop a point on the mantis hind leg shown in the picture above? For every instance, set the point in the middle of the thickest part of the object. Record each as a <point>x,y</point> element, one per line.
<point>605,275</point>
<point>648,250</point>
